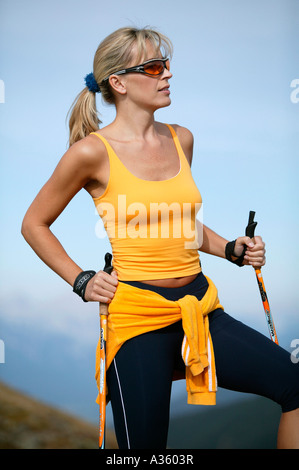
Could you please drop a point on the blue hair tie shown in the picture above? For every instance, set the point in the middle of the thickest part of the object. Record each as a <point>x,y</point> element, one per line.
<point>91,83</point>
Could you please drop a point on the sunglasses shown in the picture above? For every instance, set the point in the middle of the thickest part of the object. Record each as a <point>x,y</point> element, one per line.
<point>152,68</point>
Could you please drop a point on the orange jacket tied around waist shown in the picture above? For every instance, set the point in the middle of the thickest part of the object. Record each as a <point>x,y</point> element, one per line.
<point>134,311</point>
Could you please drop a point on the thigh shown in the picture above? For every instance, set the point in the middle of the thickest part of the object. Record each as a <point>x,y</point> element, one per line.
<point>247,361</point>
<point>139,382</point>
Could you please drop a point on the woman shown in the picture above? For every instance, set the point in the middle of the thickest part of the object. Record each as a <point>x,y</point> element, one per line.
<point>138,173</point>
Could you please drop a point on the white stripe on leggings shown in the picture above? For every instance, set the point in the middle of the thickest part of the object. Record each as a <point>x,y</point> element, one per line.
<point>122,402</point>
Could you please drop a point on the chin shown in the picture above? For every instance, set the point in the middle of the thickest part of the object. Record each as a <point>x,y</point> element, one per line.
<point>167,102</point>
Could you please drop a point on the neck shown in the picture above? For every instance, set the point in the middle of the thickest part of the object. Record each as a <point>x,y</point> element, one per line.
<point>135,124</point>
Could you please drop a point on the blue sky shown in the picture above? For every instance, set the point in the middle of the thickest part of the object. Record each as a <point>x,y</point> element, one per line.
<point>233,65</point>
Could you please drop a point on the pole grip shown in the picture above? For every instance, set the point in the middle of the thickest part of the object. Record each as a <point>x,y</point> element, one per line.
<point>108,268</point>
<point>249,231</point>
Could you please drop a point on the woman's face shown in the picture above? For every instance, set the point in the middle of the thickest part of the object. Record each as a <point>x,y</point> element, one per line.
<point>147,92</point>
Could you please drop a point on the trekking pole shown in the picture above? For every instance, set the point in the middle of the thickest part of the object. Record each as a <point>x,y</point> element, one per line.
<point>249,232</point>
<point>103,336</point>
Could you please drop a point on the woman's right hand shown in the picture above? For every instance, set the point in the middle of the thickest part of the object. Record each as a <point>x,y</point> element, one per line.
<point>101,287</point>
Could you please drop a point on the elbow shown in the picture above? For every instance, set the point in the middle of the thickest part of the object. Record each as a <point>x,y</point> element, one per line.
<point>25,228</point>
<point>28,227</point>
<point>31,227</point>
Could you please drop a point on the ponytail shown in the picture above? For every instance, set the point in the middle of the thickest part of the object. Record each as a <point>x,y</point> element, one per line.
<point>83,116</point>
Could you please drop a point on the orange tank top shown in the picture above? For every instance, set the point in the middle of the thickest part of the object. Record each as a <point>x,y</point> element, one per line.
<point>151,225</point>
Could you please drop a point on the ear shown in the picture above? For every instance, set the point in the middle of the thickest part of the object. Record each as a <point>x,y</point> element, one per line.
<point>118,84</point>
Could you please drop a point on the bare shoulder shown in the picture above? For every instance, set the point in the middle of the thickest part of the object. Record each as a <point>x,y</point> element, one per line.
<point>186,139</point>
<point>86,158</point>
<point>84,164</point>
<point>184,134</point>
<point>88,151</point>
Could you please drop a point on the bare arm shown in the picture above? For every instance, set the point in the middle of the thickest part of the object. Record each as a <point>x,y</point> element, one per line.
<point>75,170</point>
<point>212,243</point>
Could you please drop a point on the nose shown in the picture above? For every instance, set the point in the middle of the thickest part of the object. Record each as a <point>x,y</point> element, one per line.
<point>166,74</point>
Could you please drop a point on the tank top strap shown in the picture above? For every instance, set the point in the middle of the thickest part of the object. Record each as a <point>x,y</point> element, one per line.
<point>177,143</point>
<point>105,142</point>
<point>116,165</point>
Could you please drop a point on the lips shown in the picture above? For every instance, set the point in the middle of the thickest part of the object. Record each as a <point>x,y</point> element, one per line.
<point>165,88</point>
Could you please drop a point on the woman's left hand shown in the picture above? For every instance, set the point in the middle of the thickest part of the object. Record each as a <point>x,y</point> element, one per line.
<point>255,251</point>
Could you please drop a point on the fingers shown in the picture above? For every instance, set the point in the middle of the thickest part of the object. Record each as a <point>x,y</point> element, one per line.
<point>255,251</point>
<point>239,246</point>
<point>255,255</point>
<point>102,287</point>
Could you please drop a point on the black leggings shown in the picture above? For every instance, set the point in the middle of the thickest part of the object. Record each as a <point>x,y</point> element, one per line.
<point>140,376</point>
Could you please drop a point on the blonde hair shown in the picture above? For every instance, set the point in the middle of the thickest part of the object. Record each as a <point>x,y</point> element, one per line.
<point>114,53</point>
